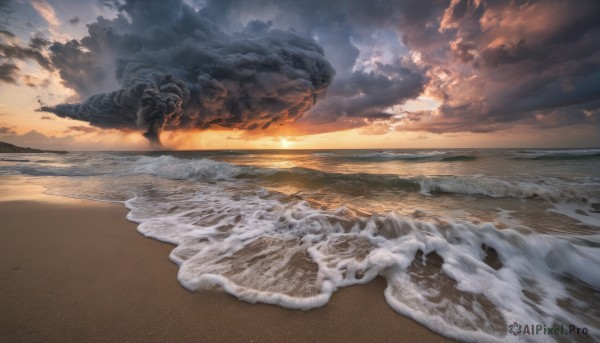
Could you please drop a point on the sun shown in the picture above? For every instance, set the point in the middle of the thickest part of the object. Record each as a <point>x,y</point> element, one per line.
<point>284,143</point>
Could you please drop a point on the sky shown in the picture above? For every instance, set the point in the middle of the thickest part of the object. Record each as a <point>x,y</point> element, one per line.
<point>313,74</point>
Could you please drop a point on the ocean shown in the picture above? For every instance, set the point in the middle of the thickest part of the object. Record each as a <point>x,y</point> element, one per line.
<point>473,243</point>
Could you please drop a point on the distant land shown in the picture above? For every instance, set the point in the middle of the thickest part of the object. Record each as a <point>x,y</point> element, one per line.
<point>10,148</point>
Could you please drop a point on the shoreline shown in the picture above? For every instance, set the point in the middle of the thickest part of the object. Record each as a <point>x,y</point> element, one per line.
<point>78,270</point>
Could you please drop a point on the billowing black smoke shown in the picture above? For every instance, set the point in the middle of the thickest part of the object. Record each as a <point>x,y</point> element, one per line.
<point>175,69</point>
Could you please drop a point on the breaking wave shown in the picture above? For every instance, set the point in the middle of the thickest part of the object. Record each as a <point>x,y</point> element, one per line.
<point>173,168</point>
<point>504,189</point>
<point>466,280</point>
<point>550,155</point>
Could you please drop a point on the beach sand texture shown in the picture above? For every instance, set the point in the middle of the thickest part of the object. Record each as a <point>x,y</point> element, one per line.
<point>77,270</point>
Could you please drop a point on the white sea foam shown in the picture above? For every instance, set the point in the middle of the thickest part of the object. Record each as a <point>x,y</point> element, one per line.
<point>259,248</point>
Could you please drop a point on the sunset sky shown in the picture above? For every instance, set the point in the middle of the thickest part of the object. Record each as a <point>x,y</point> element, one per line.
<point>255,74</point>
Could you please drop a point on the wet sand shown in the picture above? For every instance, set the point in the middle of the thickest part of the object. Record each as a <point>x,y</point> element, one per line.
<point>76,270</point>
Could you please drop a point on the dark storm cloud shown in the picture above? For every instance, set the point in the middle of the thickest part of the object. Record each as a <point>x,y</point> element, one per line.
<point>8,72</point>
<point>7,33</point>
<point>10,50</point>
<point>493,64</point>
<point>251,64</point>
<point>5,11</point>
<point>341,27</point>
<point>79,69</point>
<point>176,69</point>
<point>366,94</point>
<point>37,43</point>
<point>509,63</point>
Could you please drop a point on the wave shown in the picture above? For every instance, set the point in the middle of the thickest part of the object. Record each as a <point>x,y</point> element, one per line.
<point>14,160</point>
<point>579,202</point>
<point>173,168</point>
<point>458,158</point>
<point>347,183</point>
<point>393,156</point>
<point>503,189</point>
<point>579,154</point>
<point>385,156</point>
<point>468,281</point>
<point>547,189</point>
<point>323,154</point>
<point>36,170</point>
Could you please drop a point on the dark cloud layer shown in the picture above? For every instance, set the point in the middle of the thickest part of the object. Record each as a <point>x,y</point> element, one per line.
<point>13,51</point>
<point>367,94</point>
<point>8,72</point>
<point>500,63</point>
<point>256,64</point>
<point>10,51</point>
<point>176,69</point>
<point>358,95</point>
<point>492,63</point>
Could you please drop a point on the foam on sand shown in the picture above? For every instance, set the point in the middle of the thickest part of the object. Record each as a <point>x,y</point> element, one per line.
<point>466,280</point>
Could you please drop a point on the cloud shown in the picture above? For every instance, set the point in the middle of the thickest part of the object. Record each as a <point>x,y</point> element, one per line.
<point>500,64</point>
<point>492,64</point>
<point>82,129</point>
<point>34,81</point>
<point>103,140</point>
<point>8,72</point>
<point>38,140</point>
<point>7,131</point>
<point>46,118</point>
<point>11,50</point>
<point>7,33</point>
<point>361,41</point>
<point>47,12</point>
<point>176,69</point>
<point>257,65</point>
<point>5,11</point>
<point>368,94</point>
<point>74,20</point>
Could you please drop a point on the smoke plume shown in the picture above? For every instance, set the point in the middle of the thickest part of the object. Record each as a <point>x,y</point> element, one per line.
<point>175,69</point>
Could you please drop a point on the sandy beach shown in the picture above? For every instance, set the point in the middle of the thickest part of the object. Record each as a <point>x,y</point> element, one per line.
<point>77,270</point>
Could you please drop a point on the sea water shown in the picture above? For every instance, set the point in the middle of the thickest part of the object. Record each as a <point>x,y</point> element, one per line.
<point>469,241</point>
